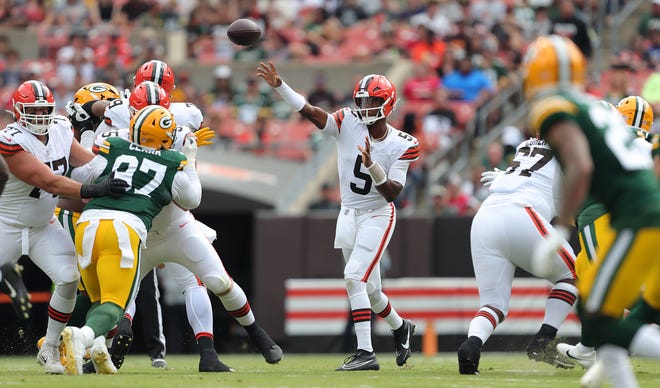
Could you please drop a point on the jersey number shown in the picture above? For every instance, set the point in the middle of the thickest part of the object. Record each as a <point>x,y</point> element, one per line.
<point>59,167</point>
<point>366,188</point>
<point>126,166</point>
<point>546,156</point>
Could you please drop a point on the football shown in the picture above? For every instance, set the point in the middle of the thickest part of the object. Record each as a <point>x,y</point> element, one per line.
<point>244,32</point>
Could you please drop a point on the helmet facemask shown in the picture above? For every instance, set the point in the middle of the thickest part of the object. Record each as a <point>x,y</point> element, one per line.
<point>369,109</point>
<point>36,123</point>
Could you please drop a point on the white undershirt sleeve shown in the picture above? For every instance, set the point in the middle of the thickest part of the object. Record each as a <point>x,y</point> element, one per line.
<point>186,188</point>
<point>398,171</point>
<point>88,172</point>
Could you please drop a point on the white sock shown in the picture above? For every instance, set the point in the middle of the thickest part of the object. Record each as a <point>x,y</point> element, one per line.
<point>236,304</point>
<point>199,310</point>
<point>360,312</point>
<point>646,342</point>
<point>617,366</point>
<point>559,303</point>
<point>483,324</point>
<point>87,334</point>
<point>60,308</point>
<point>381,305</point>
<point>580,348</point>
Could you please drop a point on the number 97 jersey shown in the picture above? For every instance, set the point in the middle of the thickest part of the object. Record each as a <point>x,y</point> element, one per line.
<point>532,178</point>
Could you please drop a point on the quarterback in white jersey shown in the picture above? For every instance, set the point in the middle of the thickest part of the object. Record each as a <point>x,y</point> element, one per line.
<point>39,150</point>
<point>373,161</point>
<point>184,244</point>
<point>508,225</point>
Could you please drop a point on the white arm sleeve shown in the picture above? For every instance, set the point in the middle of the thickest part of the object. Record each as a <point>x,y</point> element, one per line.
<point>186,188</point>
<point>88,172</point>
<point>87,139</point>
<point>398,171</point>
<point>331,127</point>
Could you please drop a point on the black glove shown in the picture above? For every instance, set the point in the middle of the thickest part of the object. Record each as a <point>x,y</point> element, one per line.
<point>110,186</point>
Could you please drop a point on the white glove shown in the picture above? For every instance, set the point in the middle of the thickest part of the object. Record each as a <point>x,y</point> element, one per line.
<point>487,177</point>
<point>190,149</point>
<point>546,251</point>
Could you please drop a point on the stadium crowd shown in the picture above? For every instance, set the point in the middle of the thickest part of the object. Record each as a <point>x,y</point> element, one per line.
<point>462,52</point>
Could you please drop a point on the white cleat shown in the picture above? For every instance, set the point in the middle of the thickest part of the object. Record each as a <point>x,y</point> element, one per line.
<point>74,350</point>
<point>594,377</point>
<point>586,359</point>
<point>101,360</point>
<point>49,357</point>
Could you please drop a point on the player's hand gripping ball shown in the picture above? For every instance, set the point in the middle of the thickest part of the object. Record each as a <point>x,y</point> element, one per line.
<point>244,32</point>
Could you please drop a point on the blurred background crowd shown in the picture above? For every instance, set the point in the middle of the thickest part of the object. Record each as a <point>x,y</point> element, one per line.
<point>460,54</point>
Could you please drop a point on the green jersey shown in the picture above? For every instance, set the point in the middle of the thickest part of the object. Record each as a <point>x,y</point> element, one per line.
<point>149,173</point>
<point>622,179</point>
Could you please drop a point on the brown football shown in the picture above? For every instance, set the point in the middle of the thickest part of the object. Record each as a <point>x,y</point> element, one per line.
<point>244,32</point>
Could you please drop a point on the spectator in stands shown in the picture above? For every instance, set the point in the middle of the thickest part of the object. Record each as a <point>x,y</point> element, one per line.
<point>466,83</point>
<point>542,24</point>
<point>619,85</point>
<point>569,25</point>
<point>438,123</point>
<point>115,46</point>
<point>487,12</point>
<point>251,54</point>
<point>329,199</point>
<point>439,202</point>
<point>429,49</point>
<point>649,20</point>
<point>457,200</point>
<point>320,95</point>
<point>221,94</point>
<point>494,157</point>
<point>350,13</point>
<point>433,19</point>
<point>511,137</point>
<point>11,74</point>
<point>421,87</point>
<point>251,102</point>
<point>652,54</point>
<point>75,62</point>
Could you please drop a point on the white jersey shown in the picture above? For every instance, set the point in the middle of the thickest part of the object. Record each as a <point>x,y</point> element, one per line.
<point>22,204</point>
<point>116,116</point>
<point>187,114</point>
<point>394,154</point>
<point>532,179</point>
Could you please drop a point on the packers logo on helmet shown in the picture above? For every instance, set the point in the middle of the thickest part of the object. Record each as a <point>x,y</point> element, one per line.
<point>94,92</point>
<point>637,112</point>
<point>153,126</point>
<point>553,62</point>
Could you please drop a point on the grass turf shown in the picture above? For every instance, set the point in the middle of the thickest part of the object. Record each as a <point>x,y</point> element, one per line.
<point>498,370</point>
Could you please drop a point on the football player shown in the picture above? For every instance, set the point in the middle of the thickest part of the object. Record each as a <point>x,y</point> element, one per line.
<point>39,149</point>
<point>593,220</point>
<point>510,222</point>
<point>600,159</point>
<point>110,233</point>
<point>373,161</point>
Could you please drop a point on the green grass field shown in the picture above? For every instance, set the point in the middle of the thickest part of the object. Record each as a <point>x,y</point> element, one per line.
<point>313,370</point>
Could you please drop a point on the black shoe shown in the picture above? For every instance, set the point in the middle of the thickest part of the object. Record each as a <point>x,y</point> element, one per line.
<point>361,360</point>
<point>402,338</point>
<point>469,354</point>
<point>121,344</point>
<point>544,349</point>
<point>267,347</point>
<point>208,362</point>
<point>12,284</point>
<point>88,368</point>
<point>159,362</point>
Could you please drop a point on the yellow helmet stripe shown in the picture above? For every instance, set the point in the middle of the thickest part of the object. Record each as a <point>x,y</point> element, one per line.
<point>638,117</point>
<point>139,120</point>
<point>563,60</point>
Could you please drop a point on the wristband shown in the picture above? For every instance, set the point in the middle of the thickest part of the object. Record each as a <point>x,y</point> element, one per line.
<point>377,173</point>
<point>293,98</point>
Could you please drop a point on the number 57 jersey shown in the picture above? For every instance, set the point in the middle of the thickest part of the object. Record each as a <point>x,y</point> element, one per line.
<point>532,179</point>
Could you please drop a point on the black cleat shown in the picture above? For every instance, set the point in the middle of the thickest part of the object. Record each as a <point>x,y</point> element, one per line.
<point>121,344</point>
<point>361,360</point>
<point>469,354</point>
<point>267,347</point>
<point>544,349</point>
<point>12,284</point>
<point>208,362</point>
<point>402,338</point>
<point>88,368</point>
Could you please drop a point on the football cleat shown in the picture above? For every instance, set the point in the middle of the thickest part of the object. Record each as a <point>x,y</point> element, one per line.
<point>402,338</point>
<point>12,284</point>
<point>543,349</point>
<point>361,360</point>
<point>49,357</point>
<point>40,343</point>
<point>575,353</point>
<point>208,362</point>
<point>469,354</point>
<point>159,362</point>
<point>267,347</point>
<point>74,350</point>
<point>101,359</point>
